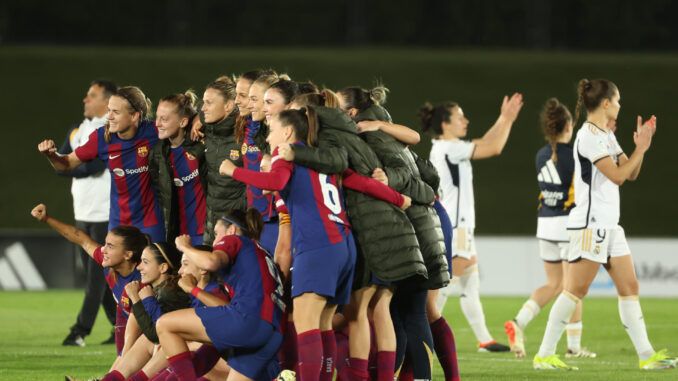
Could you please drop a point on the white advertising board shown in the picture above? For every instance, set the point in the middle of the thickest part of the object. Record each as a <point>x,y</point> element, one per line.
<point>512,266</point>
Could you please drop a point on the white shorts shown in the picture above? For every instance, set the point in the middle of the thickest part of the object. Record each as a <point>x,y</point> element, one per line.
<point>552,251</point>
<point>597,245</point>
<point>463,243</point>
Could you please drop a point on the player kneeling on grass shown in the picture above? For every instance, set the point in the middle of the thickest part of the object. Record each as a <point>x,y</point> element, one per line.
<point>595,236</point>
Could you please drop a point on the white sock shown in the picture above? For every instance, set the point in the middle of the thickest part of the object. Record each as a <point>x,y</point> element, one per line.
<point>470,303</point>
<point>560,314</point>
<point>632,318</point>
<point>445,292</point>
<point>574,336</point>
<point>528,312</point>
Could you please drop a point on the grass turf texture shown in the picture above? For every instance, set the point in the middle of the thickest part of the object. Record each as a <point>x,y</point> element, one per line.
<point>35,323</point>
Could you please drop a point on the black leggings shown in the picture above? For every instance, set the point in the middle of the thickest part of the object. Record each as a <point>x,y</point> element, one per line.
<point>413,333</point>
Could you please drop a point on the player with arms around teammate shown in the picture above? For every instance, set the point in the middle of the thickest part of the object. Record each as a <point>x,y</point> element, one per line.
<point>452,158</point>
<point>601,166</point>
<point>91,192</point>
<point>123,143</point>
<point>555,170</point>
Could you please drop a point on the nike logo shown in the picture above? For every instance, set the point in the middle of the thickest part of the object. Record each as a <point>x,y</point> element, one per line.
<point>111,157</point>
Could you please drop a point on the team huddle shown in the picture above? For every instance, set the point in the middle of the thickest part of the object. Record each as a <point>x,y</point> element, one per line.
<point>283,231</point>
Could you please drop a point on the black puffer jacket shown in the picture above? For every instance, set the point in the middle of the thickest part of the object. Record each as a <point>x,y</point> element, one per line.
<point>403,176</point>
<point>223,193</point>
<point>168,297</point>
<point>385,238</point>
<point>163,180</point>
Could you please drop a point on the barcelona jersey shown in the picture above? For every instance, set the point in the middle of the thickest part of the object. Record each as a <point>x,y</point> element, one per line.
<point>252,279</point>
<point>190,192</point>
<point>252,156</point>
<point>117,283</point>
<point>133,199</point>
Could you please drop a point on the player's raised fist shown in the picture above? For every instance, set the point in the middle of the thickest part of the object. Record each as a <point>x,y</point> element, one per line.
<point>47,147</point>
<point>40,213</point>
<point>187,282</point>
<point>226,168</point>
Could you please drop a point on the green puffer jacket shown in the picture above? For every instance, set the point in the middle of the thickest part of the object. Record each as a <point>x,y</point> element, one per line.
<point>403,176</point>
<point>385,239</point>
<point>162,179</point>
<point>168,297</point>
<point>223,193</point>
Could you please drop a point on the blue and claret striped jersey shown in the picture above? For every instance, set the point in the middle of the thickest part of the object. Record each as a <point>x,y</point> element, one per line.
<point>191,195</point>
<point>133,199</point>
<point>252,156</point>
<point>252,278</point>
<point>117,283</point>
<point>555,180</point>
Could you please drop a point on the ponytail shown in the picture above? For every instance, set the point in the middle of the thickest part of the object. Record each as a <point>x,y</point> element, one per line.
<point>326,98</point>
<point>313,126</point>
<point>185,103</point>
<point>304,122</point>
<point>554,118</point>
<point>250,223</point>
<point>361,99</point>
<point>590,94</point>
<point>136,102</point>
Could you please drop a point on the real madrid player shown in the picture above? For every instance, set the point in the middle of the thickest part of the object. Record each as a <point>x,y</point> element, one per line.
<point>595,236</point>
<point>555,168</point>
<point>452,158</point>
<point>123,144</point>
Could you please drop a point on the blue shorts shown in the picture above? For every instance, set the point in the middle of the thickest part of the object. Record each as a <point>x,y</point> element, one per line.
<point>378,282</point>
<point>269,236</point>
<point>254,341</point>
<point>327,271</point>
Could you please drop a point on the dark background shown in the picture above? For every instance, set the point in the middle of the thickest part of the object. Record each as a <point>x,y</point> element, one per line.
<point>472,52</point>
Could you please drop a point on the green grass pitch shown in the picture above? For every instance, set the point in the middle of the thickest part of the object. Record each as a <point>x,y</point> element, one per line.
<point>33,324</point>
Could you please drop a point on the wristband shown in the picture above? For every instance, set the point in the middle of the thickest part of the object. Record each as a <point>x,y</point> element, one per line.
<point>195,291</point>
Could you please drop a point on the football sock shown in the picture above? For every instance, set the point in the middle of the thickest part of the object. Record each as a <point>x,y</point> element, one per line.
<point>470,303</point>
<point>113,375</point>
<point>445,347</point>
<point>573,331</point>
<point>205,358</point>
<point>287,355</point>
<point>329,355</point>
<point>182,366</point>
<point>310,355</point>
<point>632,318</point>
<point>560,314</point>
<point>385,365</point>
<point>528,312</point>
<point>139,376</point>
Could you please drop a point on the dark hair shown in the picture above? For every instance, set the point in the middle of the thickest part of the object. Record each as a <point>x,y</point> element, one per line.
<point>591,93</point>
<point>136,102</point>
<point>288,89</point>
<point>362,99</point>
<point>304,122</point>
<point>251,75</point>
<point>109,87</point>
<point>164,252</point>
<point>307,87</point>
<point>554,117</point>
<point>132,240</point>
<point>250,222</point>
<point>326,98</point>
<point>432,117</point>
<point>185,103</point>
<point>224,86</point>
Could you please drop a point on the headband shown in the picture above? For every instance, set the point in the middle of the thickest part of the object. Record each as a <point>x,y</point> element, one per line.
<point>164,255</point>
<point>234,223</point>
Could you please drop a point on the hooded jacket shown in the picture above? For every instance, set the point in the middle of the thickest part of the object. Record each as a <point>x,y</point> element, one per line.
<point>385,239</point>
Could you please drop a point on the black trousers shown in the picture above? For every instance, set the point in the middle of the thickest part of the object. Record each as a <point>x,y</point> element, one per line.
<point>96,289</point>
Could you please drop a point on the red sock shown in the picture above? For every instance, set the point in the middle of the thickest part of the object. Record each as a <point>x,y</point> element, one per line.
<point>139,376</point>
<point>385,365</point>
<point>310,355</point>
<point>204,359</point>
<point>203,379</point>
<point>406,371</point>
<point>113,375</point>
<point>356,370</point>
<point>287,355</point>
<point>341,338</point>
<point>329,355</point>
<point>161,376</point>
<point>446,349</point>
<point>372,363</point>
<point>182,366</point>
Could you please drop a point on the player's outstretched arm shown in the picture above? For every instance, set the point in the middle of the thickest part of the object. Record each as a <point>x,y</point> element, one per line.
<point>64,163</point>
<point>494,140</point>
<point>69,232</point>
<point>629,169</point>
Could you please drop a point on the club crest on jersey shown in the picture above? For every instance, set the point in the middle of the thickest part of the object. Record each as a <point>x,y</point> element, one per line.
<point>189,156</point>
<point>234,154</point>
<point>142,151</point>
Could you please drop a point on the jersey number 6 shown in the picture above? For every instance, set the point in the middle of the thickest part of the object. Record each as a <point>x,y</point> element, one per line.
<point>330,194</point>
